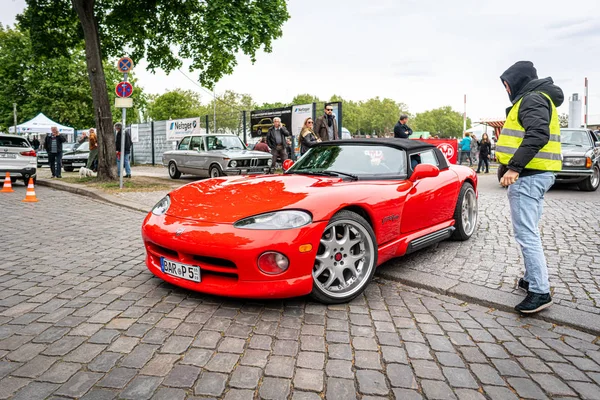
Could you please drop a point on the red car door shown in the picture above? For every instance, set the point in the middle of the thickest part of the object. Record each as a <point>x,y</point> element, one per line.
<point>431,200</point>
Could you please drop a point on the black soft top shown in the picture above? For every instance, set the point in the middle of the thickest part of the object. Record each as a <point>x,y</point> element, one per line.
<point>402,144</point>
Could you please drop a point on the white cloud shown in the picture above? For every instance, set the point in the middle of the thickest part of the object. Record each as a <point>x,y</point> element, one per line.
<point>425,53</point>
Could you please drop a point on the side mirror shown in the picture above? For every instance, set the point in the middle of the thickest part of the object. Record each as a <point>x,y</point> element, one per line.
<point>597,144</point>
<point>424,171</point>
<point>287,164</point>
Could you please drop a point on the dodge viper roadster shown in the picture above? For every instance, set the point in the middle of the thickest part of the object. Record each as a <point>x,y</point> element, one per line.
<point>321,228</point>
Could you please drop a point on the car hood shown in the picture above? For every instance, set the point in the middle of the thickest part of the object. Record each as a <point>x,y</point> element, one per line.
<point>242,153</point>
<point>76,154</point>
<point>574,151</point>
<point>229,199</point>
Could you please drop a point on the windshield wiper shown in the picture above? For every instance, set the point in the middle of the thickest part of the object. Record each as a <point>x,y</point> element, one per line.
<point>323,173</point>
<point>336,173</point>
<point>572,144</point>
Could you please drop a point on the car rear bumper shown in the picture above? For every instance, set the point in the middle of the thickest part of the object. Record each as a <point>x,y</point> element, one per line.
<point>24,171</point>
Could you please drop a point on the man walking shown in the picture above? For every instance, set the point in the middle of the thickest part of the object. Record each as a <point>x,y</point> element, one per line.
<point>53,144</point>
<point>127,150</point>
<point>326,126</point>
<point>401,129</point>
<point>528,150</point>
<point>276,140</point>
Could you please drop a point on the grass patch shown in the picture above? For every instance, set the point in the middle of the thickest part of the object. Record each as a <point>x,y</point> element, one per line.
<point>136,184</point>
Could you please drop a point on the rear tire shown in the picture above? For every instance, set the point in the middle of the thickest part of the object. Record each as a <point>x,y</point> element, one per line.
<point>465,213</point>
<point>590,184</point>
<point>346,256</point>
<point>174,173</point>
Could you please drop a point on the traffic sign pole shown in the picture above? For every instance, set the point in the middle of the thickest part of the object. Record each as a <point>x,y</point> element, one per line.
<point>122,161</point>
<point>123,89</point>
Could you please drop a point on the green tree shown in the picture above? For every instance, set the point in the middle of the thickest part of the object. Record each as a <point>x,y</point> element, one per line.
<point>210,33</point>
<point>378,116</point>
<point>228,109</point>
<point>305,98</point>
<point>441,121</point>
<point>175,104</point>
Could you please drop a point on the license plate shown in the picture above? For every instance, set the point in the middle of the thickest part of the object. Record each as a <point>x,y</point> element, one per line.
<point>78,164</point>
<point>6,155</point>
<point>183,271</point>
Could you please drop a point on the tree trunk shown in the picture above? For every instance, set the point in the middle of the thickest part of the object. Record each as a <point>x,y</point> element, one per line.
<point>107,168</point>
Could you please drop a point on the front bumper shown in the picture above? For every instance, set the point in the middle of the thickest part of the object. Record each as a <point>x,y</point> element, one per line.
<point>74,162</point>
<point>573,175</point>
<point>227,256</point>
<point>247,171</point>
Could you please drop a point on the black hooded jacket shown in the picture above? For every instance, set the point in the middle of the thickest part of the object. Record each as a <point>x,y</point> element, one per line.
<point>534,113</point>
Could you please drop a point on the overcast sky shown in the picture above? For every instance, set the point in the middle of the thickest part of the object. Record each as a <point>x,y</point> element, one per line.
<point>425,53</point>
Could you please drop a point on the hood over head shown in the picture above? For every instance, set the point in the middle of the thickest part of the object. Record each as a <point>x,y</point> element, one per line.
<point>522,79</point>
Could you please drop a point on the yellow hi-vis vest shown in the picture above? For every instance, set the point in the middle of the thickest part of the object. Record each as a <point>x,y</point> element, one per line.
<point>549,157</point>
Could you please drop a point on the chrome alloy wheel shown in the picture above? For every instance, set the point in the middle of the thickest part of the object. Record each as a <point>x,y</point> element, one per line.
<point>469,211</point>
<point>595,179</point>
<point>345,259</point>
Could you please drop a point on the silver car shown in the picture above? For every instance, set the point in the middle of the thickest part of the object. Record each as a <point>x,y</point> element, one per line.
<point>17,157</point>
<point>213,156</point>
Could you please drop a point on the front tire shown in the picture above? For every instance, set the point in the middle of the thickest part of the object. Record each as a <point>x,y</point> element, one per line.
<point>174,173</point>
<point>590,184</point>
<point>215,172</point>
<point>465,213</point>
<point>346,259</point>
<point>259,132</point>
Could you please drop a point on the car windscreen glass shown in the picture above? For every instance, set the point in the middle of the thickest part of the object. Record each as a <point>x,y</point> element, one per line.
<point>185,142</point>
<point>575,138</point>
<point>380,161</point>
<point>225,143</point>
<point>8,141</point>
<point>83,147</point>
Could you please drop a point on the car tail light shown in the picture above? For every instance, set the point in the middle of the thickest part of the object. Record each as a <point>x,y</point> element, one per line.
<point>273,263</point>
<point>588,162</point>
<point>28,153</point>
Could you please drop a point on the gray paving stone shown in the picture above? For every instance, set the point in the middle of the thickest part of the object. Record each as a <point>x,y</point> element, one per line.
<point>285,348</point>
<point>142,387</point>
<point>437,390</point>
<point>274,388</point>
<point>245,377</point>
<point>239,394</point>
<point>36,390</point>
<point>460,378</point>
<point>255,358</point>
<point>371,382</point>
<point>10,385</point>
<point>492,350</point>
<point>182,376</point>
<point>340,389</point>
<point>308,379</point>
<point>84,353</point>
<point>401,376</point>
<point>207,339</point>
<point>60,372</point>
<point>469,394</point>
<point>527,388</point>
<point>499,393</point>
<point>140,355</point>
<point>339,351</point>
<point>533,364</point>
<point>35,367</point>
<point>568,372</point>
<point>26,352</point>
<point>427,369</point>
<point>159,365</point>
<point>169,394</point>
<point>100,394</point>
<point>312,343</point>
<point>197,357</point>
<point>394,355</point>
<point>311,360</point>
<point>118,378</point>
<point>279,366</point>
<point>487,375</point>
<point>367,359</point>
<point>64,346</point>
<point>176,344</point>
<point>418,351</point>
<point>339,369</point>
<point>261,342</point>
<point>124,344</point>
<point>222,362</point>
<point>552,385</point>
<point>79,384</point>
<point>104,336</point>
<point>407,394</point>
<point>586,390</point>
<point>450,360</point>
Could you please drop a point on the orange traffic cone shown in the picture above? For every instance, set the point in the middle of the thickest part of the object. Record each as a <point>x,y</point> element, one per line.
<point>7,188</point>
<point>30,195</point>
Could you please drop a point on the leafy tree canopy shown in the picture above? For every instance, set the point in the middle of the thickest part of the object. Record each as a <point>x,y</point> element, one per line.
<point>442,121</point>
<point>175,104</point>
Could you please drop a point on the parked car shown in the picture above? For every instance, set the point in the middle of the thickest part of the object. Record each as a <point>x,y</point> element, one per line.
<point>43,155</point>
<point>321,228</point>
<point>17,157</point>
<point>581,159</point>
<point>77,157</point>
<point>345,133</point>
<point>263,126</point>
<point>213,156</point>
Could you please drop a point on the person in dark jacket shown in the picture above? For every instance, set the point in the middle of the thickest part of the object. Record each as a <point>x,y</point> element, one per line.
<point>276,140</point>
<point>126,150</point>
<point>326,127</point>
<point>262,145</point>
<point>53,144</point>
<point>529,150</point>
<point>402,130</point>
<point>485,150</point>
<point>308,138</point>
<point>35,143</point>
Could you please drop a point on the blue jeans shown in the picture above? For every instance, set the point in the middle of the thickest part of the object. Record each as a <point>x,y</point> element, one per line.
<point>55,161</point>
<point>125,165</point>
<point>526,199</point>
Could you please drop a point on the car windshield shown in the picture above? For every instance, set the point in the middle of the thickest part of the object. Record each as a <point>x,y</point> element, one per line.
<point>11,141</point>
<point>85,146</point>
<point>352,159</point>
<point>575,138</point>
<point>224,143</point>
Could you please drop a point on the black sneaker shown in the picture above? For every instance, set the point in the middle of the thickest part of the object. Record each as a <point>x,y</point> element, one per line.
<point>523,284</point>
<point>534,302</point>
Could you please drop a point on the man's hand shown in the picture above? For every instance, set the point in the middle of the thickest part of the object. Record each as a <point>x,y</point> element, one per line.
<point>509,178</point>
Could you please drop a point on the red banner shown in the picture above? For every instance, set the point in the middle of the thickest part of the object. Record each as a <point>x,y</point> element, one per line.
<point>448,147</point>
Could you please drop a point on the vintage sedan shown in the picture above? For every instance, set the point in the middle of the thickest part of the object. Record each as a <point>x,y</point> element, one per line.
<point>214,156</point>
<point>77,157</point>
<point>321,228</point>
<point>581,159</point>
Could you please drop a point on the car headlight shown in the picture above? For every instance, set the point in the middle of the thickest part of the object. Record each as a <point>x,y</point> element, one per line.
<point>162,206</point>
<point>270,162</point>
<point>233,164</point>
<point>574,161</point>
<point>288,219</point>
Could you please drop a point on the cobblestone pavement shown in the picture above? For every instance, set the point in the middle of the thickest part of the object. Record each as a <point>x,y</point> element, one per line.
<point>570,231</point>
<point>81,317</point>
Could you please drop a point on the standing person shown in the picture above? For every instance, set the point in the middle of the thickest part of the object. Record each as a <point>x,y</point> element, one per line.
<point>93,156</point>
<point>53,145</point>
<point>485,150</point>
<point>127,149</point>
<point>401,129</point>
<point>83,138</point>
<point>276,140</point>
<point>529,150</point>
<point>465,149</point>
<point>308,138</point>
<point>474,148</point>
<point>262,145</point>
<point>326,126</point>
<point>35,143</point>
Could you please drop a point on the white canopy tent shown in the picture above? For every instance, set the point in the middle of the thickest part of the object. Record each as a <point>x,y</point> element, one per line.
<point>479,130</point>
<point>41,125</point>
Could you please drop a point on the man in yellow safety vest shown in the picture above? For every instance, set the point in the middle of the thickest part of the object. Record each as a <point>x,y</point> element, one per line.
<point>529,150</point>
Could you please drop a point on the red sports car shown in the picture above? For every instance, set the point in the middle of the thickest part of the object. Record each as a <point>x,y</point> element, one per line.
<point>321,228</point>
